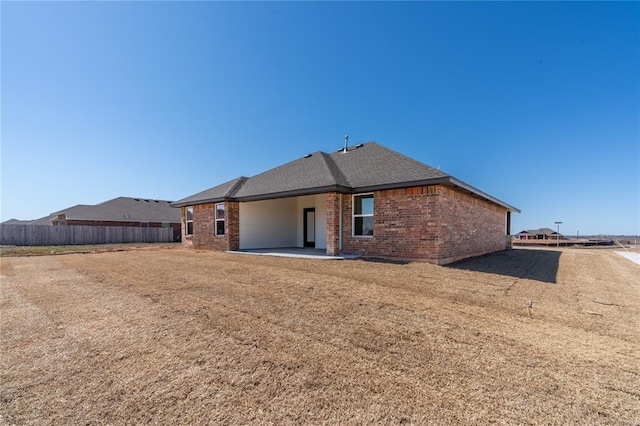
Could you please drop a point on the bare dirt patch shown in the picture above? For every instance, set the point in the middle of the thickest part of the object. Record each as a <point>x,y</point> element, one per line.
<point>187,337</point>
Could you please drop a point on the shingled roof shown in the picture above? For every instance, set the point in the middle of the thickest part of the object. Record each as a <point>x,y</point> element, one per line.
<point>365,167</point>
<point>121,209</point>
<point>539,231</point>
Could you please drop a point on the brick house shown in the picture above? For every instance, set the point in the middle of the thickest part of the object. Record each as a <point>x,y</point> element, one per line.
<point>121,211</point>
<point>366,200</point>
<point>538,234</point>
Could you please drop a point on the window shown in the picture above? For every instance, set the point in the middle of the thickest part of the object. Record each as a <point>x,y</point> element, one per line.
<point>363,215</point>
<point>189,220</point>
<point>220,219</point>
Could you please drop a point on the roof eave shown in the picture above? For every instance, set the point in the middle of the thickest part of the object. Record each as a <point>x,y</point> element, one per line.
<point>396,185</point>
<point>347,190</point>
<point>267,196</point>
<point>482,194</point>
<point>296,193</point>
<point>186,203</point>
<point>437,181</point>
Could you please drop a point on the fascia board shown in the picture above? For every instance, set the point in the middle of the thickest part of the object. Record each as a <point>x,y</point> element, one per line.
<point>484,195</point>
<point>346,190</point>
<point>437,181</point>
<point>294,193</point>
<point>196,202</point>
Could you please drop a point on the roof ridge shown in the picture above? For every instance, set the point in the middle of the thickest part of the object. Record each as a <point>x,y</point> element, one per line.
<point>236,186</point>
<point>139,198</point>
<point>336,173</point>
<point>407,157</point>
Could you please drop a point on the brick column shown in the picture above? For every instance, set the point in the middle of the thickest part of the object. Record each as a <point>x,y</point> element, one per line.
<point>233,224</point>
<point>333,224</point>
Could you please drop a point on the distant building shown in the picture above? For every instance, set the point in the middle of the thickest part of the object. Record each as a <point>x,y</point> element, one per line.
<point>121,211</point>
<point>538,234</point>
<point>15,222</point>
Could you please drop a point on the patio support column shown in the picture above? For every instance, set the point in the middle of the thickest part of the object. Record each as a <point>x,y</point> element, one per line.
<point>233,224</point>
<point>333,224</point>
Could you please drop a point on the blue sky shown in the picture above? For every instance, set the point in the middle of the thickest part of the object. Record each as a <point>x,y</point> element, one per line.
<point>537,104</point>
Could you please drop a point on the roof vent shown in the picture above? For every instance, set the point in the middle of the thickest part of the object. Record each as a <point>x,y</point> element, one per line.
<point>360,145</point>
<point>346,144</point>
<point>307,155</point>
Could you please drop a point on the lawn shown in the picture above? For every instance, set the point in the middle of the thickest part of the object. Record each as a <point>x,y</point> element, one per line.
<point>174,336</point>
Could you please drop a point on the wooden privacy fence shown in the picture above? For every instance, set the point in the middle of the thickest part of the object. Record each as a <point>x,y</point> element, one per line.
<point>52,235</point>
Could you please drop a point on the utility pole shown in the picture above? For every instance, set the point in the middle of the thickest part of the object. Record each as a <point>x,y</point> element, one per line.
<point>558,234</point>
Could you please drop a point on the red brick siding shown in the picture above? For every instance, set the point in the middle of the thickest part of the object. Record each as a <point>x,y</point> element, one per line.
<point>431,223</point>
<point>204,237</point>
<point>333,224</point>
<point>232,225</point>
<point>203,228</point>
<point>469,226</point>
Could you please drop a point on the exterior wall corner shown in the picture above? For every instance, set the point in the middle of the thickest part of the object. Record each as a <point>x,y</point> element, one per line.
<point>333,224</point>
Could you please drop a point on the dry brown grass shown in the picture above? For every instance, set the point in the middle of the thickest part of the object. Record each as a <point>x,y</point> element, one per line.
<point>187,337</point>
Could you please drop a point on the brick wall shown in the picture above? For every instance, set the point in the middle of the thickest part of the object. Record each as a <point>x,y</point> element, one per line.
<point>204,237</point>
<point>431,223</point>
<point>469,226</point>
<point>333,224</point>
<point>232,225</point>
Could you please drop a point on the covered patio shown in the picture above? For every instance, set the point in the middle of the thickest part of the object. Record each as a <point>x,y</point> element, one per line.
<point>291,222</point>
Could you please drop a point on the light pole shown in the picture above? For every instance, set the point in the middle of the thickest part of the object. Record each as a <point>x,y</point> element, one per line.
<point>558,234</point>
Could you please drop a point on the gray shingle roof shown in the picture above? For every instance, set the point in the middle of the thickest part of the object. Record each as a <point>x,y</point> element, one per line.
<point>15,222</point>
<point>121,209</point>
<point>374,165</point>
<point>540,231</point>
<point>365,167</point>
<point>310,173</point>
<point>217,193</point>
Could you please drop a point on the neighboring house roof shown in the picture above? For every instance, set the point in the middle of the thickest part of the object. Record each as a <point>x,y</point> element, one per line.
<point>15,222</point>
<point>541,231</point>
<point>365,167</point>
<point>544,231</point>
<point>121,209</point>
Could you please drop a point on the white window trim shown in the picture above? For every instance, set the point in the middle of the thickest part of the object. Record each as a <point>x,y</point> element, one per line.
<point>354,215</point>
<point>216,220</point>
<point>186,221</point>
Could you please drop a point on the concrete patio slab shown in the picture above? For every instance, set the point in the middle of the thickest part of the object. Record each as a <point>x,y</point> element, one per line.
<point>305,253</point>
<point>634,257</point>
